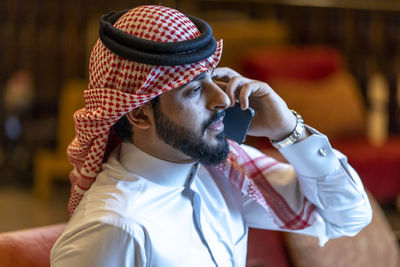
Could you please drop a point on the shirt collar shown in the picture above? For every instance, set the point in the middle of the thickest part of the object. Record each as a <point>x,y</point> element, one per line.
<point>153,169</point>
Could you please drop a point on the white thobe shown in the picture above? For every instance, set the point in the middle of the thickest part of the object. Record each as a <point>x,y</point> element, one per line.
<point>143,211</point>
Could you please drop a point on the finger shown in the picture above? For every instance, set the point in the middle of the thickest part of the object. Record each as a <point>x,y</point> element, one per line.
<point>249,89</point>
<point>244,96</point>
<point>233,88</point>
<point>221,85</point>
<point>224,74</point>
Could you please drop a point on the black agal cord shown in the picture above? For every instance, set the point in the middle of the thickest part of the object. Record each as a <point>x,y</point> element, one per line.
<point>157,53</point>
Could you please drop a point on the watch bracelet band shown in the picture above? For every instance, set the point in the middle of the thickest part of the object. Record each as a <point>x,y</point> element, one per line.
<point>292,138</point>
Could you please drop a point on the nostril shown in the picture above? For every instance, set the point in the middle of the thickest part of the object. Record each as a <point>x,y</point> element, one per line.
<point>220,107</point>
<point>221,103</point>
<point>218,99</point>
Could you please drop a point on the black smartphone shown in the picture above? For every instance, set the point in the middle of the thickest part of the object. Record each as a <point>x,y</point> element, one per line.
<point>237,122</point>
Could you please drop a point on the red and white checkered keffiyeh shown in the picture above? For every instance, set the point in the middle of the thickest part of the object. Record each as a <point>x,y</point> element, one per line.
<point>253,176</point>
<point>117,86</point>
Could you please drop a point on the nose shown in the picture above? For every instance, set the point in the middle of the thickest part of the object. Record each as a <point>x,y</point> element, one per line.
<point>217,99</point>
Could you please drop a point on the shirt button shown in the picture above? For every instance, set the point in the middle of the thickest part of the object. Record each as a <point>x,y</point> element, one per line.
<point>322,152</point>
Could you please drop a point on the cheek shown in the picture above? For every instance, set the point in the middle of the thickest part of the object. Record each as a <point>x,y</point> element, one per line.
<point>192,117</point>
<point>190,114</point>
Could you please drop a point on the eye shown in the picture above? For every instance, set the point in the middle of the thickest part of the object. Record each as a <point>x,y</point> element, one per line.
<point>194,91</point>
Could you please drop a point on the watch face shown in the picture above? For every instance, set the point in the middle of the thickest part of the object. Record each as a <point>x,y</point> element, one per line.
<point>292,138</point>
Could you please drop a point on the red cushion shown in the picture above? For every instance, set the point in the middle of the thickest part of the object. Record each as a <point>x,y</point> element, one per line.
<point>266,248</point>
<point>378,167</point>
<point>304,63</point>
<point>29,247</point>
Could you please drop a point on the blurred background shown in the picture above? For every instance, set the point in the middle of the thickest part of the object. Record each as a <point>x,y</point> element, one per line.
<point>334,61</point>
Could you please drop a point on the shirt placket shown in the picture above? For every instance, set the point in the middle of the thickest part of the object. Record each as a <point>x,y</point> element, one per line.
<point>208,238</point>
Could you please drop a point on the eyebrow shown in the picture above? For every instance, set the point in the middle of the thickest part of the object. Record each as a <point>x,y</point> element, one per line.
<point>200,76</point>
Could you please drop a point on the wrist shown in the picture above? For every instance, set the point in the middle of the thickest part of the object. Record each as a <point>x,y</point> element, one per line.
<point>285,129</point>
<point>295,135</point>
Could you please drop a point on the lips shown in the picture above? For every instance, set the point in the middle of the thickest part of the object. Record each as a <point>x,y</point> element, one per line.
<point>215,123</point>
<point>217,126</point>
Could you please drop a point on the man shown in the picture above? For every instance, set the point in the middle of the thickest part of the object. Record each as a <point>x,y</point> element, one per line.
<point>176,191</point>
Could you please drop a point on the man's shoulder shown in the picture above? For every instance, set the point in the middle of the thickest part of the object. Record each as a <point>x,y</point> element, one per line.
<point>126,224</point>
<point>84,234</point>
<point>102,222</point>
<point>109,202</point>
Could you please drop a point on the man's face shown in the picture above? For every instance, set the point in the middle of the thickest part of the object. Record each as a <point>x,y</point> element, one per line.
<point>189,118</point>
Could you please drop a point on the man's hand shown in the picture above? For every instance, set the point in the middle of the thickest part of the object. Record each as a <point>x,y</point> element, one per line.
<point>272,117</point>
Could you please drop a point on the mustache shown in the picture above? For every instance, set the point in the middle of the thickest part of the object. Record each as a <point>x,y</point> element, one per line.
<point>214,118</point>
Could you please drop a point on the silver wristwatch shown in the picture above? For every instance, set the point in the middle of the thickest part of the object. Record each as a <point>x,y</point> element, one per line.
<point>292,138</point>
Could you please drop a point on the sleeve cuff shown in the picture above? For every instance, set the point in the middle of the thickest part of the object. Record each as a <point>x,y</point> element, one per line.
<point>313,156</point>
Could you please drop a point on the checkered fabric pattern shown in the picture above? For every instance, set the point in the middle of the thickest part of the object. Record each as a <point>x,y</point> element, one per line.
<point>117,86</point>
<point>251,176</point>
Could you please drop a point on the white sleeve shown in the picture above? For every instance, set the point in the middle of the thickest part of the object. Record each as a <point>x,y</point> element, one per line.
<point>100,244</point>
<point>318,176</point>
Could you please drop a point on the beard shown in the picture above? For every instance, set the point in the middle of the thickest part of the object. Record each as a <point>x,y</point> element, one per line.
<point>190,142</point>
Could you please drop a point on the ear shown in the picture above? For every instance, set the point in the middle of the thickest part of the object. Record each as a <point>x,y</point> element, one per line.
<point>139,117</point>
